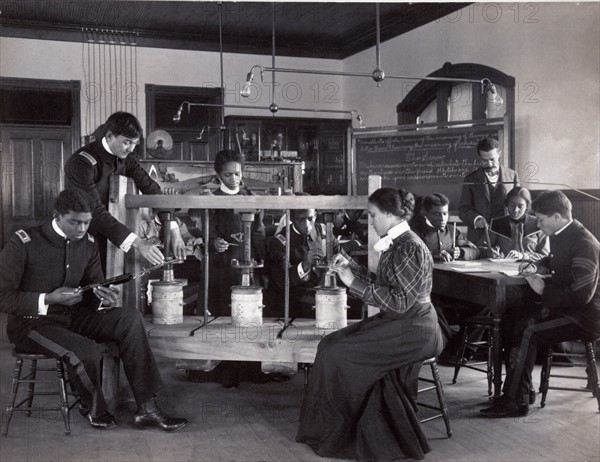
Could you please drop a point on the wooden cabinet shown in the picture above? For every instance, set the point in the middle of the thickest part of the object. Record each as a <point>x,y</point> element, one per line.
<point>322,144</point>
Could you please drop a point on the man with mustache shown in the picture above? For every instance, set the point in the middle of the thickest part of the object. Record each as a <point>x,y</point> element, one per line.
<point>484,190</point>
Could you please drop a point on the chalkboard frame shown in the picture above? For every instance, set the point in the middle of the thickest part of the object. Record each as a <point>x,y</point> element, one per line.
<point>443,128</point>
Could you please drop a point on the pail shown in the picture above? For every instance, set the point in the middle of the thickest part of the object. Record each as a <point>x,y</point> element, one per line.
<point>167,302</point>
<point>331,308</point>
<point>246,305</point>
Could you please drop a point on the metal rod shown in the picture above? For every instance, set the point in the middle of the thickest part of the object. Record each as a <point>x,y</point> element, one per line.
<point>377,37</point>
<point>336,111</point>
<point>221,63</point>
<point>286,282</point>
<point>364,74</point>
<point>273,54</point>
<point>206,254</point>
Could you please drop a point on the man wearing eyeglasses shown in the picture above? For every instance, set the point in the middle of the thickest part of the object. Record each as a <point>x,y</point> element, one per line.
<point>484,190</point>
<point>90,168</point>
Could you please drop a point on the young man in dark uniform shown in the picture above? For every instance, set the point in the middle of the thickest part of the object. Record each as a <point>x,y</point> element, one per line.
<point>445,244</point>
<point>90,169</point>
<point>570,298</point>
<point>307,247</point>
<point>40,272</point>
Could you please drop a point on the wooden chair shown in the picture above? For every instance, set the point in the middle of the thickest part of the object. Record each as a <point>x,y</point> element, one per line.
<point>31,379</point>
<point>437,386</point>
<point>591,372</point>
<point>466,326</point>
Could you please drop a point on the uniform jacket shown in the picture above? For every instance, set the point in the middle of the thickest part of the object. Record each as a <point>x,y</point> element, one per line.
<point>90,169</point>
<point>574,289</point>
<point>437,240</point>
<point>475,197</point>
<point>38,261</point>
<point>534,243</point>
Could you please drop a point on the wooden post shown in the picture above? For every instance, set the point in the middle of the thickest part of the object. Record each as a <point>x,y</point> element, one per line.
<point>374,185</point>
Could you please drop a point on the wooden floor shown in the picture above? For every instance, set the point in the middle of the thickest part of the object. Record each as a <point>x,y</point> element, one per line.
<point>258,422</point>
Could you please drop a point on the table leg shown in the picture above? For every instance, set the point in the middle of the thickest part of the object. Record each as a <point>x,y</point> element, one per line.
<point>498,299</point>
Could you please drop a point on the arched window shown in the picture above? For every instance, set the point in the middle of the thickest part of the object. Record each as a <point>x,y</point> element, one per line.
<point>432,101</point>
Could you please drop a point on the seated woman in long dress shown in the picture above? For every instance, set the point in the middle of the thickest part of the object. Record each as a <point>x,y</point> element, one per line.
<point>360,401</point>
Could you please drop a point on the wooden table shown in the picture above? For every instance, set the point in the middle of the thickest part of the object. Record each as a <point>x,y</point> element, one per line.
<point>493,289</point>
<point>273,344</point>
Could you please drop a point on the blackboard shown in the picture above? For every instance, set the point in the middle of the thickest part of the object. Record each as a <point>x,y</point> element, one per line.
<point>422,161</point>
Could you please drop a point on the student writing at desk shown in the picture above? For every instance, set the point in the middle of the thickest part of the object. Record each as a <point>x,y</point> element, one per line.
<point>516,235</point>
<point>445,243</point>
<point>570,308</point>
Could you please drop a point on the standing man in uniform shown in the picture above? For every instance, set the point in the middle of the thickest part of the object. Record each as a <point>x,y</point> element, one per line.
<point>485,189</point>
<point>90,169</point>
<point>41,270</point>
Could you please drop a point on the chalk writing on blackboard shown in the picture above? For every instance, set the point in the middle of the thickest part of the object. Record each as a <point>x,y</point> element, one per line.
<point>424,161</point>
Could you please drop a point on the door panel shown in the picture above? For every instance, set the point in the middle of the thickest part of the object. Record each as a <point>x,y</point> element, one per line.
<point>32,160</point>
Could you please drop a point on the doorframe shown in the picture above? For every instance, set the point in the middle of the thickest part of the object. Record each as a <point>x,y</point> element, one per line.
<point>74,86</point>
<point>28,84</point>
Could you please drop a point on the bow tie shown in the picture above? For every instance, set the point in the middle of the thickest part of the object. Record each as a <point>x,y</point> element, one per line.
<point>383,244</point>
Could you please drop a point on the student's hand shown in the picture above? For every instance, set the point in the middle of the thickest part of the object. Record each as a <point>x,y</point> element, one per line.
<point>339,260</point>
<point>221,245</point>
<point>526,268</point>
<point>345,274</point>
<point>149,251</point>
<point>68,296</point>
<point>170,191</point>
<point>456,253</point>
<point>445,256</point>
<point>515,254</point>
<point>536,283</point>
<point>178,247</point>
<point>480,222</point>
<point>109,296</point>
<point>311,257</point>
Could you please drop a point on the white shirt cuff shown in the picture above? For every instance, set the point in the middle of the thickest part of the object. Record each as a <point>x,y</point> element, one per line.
<point>128,242</point>
<point>301,273</point>
<point>42,307</point>
<point>173,225</point>
<point>476,218</point>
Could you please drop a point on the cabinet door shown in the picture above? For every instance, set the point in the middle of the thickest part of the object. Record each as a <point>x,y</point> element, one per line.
<point>332,171</point>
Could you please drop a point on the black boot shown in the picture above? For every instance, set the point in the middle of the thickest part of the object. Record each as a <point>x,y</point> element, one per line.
<point>150,415</point>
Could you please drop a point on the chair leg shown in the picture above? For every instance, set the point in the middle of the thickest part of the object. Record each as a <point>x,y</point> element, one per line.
<point>13,395</point>
<point>546,368</point>
<point>463,341</point>
<point>442,400</point>
<point>490,364</point>
<point>64,400</point>
<point>31,385</point>
<point>592,373</point>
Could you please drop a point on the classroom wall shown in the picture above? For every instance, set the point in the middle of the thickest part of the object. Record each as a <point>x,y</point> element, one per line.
<point>552,51</point>
<point>45,59</point>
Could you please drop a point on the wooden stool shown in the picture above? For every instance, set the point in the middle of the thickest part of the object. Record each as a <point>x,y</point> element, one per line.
<point>591,372</point>
<point>437,385</point>
<point>31,380</point>
<point>466,325</point>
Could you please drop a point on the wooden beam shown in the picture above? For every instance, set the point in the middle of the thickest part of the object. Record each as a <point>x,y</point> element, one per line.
<point>245,202</point>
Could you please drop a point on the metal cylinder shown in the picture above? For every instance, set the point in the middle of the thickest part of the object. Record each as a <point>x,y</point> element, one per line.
<point>167,302</point>
<point>246,305</point>
<point>330,308</point>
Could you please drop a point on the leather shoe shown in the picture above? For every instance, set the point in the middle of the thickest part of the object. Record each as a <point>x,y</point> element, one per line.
<point>152,416</point>
<point>506,408</point>
<point>104,422</point>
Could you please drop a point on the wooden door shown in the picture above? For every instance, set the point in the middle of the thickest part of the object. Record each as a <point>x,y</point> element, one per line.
<point>32,160</point>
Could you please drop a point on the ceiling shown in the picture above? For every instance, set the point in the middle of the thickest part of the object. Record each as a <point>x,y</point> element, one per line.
<point>303,29</point>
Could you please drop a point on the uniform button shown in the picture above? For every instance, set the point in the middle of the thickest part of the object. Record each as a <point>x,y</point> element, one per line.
<point>552,272</point>
<point>551,255</point>
<point>68,266</point>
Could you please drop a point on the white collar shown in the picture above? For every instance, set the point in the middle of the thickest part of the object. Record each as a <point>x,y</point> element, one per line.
<point>105,145</point>
<point>386,241</point>
<point>57,229</point>
<point>398,230</point>
<point>556,233</point>
<point>226,190</point>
